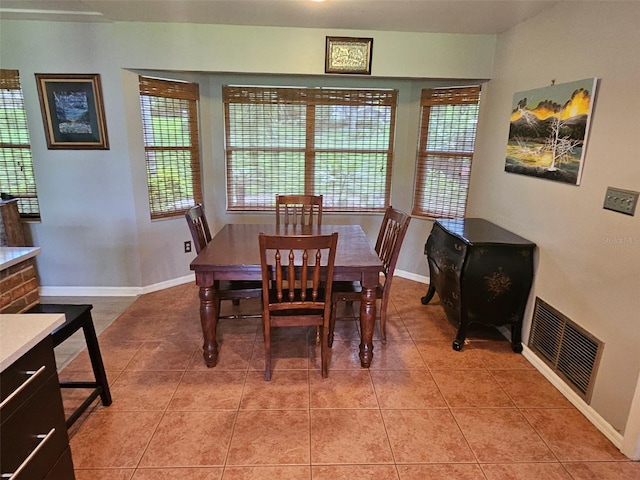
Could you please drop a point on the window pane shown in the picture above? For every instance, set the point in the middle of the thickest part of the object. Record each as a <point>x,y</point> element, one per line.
<point>170,132</point>
<point>447,139</point>
<point>337,143</point>
<point>16,162</point>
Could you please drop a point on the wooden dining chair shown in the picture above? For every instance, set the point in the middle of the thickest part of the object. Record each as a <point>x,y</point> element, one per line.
<point>298,209</point>
<point>297,279</point>
<point>233,290</point>
<point>390,237</point>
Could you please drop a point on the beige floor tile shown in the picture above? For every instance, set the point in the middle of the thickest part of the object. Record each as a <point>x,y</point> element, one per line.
<point>144,390</point>
<point>499,356</point>
<point>406,389</point>
<point>288,390</point>
<point>270,437</point>
<point>471,388</point>
<point>163,355</point>
<point>343,389</point>
<point>396,356</point>
<point>178,474</point>
<point>499,435</point>
<point>210,389</point>
<point>503,419</point>
<point>526,471</point>
<point>112,439</point>
<point>116,355</point>
<point>349,472</point>
<point>189,439</point>
<point>286,354</point>
<point>232,355</point>
<point>279,472</point>
<point>425,436</point>
<point>348,437</point>
<point>344,355</point>
<point>604,470</point>
<point>105,474</point>
<point>440,356</point>
<point>457,471</point>
<point>530,389</point>
<point>571,436</point>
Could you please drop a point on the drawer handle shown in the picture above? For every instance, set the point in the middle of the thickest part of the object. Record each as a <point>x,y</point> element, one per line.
<point>33,376</point>
<point>457,246</point>
<point>26,461</point>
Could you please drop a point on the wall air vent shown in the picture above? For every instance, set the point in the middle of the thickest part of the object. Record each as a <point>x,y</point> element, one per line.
<point>572,352</point>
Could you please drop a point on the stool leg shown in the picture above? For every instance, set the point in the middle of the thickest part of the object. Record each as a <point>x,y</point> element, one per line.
<point>93,348</point>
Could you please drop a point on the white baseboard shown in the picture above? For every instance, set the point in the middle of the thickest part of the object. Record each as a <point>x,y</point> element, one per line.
<point>411,276</point>
<point>111,291</point>
<point>134,291</point>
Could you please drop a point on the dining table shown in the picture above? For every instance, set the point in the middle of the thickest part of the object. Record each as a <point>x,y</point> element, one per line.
<point>233,254</point>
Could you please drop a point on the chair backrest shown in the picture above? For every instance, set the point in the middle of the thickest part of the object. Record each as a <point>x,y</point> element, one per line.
<point>198,226</point>
<point>392,231</point>
<point>299,209</point>
<point>304,262</point>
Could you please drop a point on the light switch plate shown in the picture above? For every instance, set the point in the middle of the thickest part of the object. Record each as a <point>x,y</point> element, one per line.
<point>623,201</point>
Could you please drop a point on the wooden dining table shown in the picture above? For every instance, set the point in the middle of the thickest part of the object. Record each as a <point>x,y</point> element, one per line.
<point>233,254</point>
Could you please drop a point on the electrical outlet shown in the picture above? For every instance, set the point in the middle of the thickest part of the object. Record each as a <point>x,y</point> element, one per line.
<point>623,201</point>
<point>187,247</point>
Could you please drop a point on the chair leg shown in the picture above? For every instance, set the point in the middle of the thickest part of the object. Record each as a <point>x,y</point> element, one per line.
<point>267,352</point>
<point>324,351</point>
<point>332,324</point>
<point>383,319</point>
<point>99,372</point>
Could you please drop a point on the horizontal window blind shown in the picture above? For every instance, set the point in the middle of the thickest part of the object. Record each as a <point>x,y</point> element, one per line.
<point>16,162</point>
<point>449,117</point>
<point>172,148</point>
<point>318,141</point>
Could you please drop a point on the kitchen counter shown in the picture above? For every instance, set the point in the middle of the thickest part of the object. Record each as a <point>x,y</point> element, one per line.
<point>21,332</point>
<point>10,256</point>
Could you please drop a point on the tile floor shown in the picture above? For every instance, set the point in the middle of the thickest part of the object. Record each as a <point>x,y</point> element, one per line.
<point>422,411</point>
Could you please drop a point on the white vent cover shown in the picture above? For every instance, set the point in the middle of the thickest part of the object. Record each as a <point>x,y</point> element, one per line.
<point>572,352</point>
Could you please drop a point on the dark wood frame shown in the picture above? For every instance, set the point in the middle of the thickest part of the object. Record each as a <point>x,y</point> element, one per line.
<point>335,61</point>
<point>93,118</point>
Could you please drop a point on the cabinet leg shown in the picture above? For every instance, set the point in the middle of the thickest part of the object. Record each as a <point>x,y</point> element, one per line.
<point>516,337</point>
<point>460,336</point>
<point>430,293</point>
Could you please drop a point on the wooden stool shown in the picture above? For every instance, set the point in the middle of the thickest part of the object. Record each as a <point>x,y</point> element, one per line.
<point>79,316</point>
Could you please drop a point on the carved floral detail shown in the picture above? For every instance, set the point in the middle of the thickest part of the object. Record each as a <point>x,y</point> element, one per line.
<point>497,283</point>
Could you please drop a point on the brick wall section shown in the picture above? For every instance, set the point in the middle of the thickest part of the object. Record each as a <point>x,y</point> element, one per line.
<point>18,287</point>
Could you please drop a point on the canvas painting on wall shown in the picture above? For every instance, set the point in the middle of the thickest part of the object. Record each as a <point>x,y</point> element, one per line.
<point>548,131</point>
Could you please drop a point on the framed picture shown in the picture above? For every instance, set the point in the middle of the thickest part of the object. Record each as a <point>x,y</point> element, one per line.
<point>72,111</point>
<point>548,131</point>
<point>348,55</point>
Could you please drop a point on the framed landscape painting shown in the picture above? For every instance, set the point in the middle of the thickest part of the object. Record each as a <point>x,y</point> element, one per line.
<point>548,131</point>
<point>72,111</point>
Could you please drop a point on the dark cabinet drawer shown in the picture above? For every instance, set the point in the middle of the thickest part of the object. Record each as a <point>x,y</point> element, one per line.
<point>26,376</point>
<point>35,435</point>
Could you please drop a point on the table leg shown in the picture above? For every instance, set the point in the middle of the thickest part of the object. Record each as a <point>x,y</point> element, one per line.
<point>209,321</point>
<point>367,323</point>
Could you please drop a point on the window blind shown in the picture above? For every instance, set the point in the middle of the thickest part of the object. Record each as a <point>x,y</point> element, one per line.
<point>449,117</point>
<point>172,148</point>
<point>317,141</point>
<point>16,162</point>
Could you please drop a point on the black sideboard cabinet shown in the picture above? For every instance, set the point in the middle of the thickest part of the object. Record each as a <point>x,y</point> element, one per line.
<point>482,273</point>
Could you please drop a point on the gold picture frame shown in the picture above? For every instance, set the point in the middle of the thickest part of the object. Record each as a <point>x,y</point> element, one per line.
<point>72,111</point>
<point>348,55</point>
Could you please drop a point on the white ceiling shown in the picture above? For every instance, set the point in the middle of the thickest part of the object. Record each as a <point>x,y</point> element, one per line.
<point>438,16</point>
